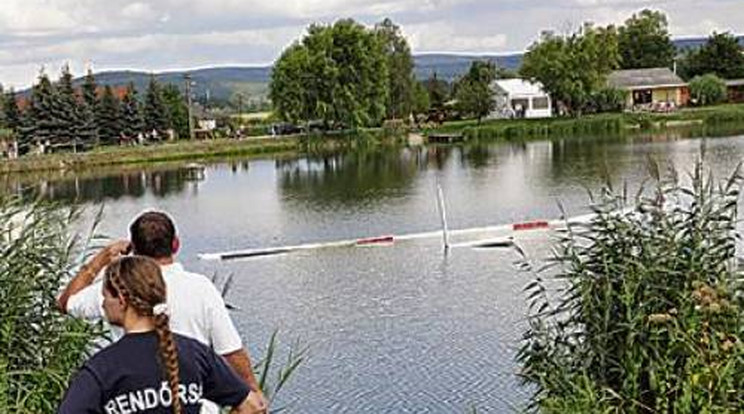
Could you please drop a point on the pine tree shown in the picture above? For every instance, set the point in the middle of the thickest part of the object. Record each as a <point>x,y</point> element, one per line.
<point>43,126</point>
<point>87,129</point>
<point>156,113</point>
<point>90,90</point>
<point>67,109</point>
<point>132,114</point>
<point>89,107</point>
<point>178,111</point>
<point>11,111</point>
<point>109,117</point>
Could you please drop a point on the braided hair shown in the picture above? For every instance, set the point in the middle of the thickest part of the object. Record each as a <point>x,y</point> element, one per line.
<point>139,281</point>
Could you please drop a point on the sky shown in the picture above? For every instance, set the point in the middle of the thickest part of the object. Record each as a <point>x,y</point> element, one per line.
<point>159,35</point>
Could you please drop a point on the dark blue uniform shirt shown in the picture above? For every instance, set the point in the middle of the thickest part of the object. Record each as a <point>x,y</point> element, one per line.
<point>127,378</point>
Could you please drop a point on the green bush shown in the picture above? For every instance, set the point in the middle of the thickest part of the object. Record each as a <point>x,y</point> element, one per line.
<point>609,100</point>
<point>707,90</point>
<point>39,347</point>
<point>648,312</point>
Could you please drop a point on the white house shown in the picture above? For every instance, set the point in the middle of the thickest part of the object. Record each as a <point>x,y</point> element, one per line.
<point>519,98</point>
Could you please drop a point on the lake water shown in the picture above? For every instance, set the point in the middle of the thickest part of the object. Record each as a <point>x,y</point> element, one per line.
<point>402,328</point>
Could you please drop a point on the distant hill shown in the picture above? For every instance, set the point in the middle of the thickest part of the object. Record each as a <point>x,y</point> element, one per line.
<point>449,67</point>
<point>219,83</point>
<point>222,83</point>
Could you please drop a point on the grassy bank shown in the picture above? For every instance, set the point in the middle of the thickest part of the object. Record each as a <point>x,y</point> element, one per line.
<point>172,151</point>
<point>595,124</point>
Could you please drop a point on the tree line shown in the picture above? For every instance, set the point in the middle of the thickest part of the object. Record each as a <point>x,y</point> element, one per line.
<point>574,67</point>
<point>58,113</point>
<point>349,75</point>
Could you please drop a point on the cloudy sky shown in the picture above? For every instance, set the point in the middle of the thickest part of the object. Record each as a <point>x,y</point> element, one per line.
<point>174,34</point>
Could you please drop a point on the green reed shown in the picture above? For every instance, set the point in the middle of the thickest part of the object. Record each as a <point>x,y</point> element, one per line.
<point>640,310</point>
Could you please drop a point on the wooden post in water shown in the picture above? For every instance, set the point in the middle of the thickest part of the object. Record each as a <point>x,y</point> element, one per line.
<point>443,215</point>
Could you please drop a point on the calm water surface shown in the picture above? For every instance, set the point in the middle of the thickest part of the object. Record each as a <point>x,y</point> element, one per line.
<point>400,329</point>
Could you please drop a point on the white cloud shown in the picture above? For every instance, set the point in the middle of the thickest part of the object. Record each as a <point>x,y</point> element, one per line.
<point>446,36</point>
<point>158,34</point>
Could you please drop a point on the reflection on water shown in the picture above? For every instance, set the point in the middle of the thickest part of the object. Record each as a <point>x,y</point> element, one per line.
<point>352,176</point>
<point>106,187</point>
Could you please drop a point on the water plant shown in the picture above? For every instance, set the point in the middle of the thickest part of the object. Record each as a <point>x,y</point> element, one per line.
<point>39,347</point>
<point>640,309</point>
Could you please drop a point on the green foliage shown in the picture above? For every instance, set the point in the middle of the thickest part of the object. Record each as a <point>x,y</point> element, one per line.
<point>43,126</point>
<point>337,74</point>
<point>542,128</point>
<point>132,113</point>
<point>573,68</point>
<point>473,91</point>
<point>109,117</point>
<point>721,55</point>
<point>640,310</point>
<point>67,110</point>
<point>178,111</point>
<point>401,81</point>
<point>39,347</point>
<point>11,113</point>
<point>156,112</point>
<point>707,90</point>
<point>644,41</point>
<point>272,377</point>
<point>421,102</point>
<point>438,89</point>
<point>609,99</point>
<point>88,121</point>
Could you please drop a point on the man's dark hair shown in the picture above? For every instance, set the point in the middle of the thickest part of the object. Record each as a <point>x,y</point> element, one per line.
<point>152,235</point>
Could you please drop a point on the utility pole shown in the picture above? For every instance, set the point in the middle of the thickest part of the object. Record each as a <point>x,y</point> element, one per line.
<point>187,79</point>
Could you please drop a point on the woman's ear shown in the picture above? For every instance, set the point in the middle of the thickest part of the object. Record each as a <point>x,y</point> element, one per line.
<point>175,245</point>
<point>122,301</point>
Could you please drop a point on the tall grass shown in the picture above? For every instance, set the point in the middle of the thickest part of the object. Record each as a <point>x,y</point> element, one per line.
<point>39,348</point>
<point>647,316</point>
<point>543,128</point>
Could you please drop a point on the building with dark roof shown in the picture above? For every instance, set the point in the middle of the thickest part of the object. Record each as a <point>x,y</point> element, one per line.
<point>650,87</point>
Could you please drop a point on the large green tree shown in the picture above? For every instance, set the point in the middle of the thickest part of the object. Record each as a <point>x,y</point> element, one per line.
<point>421,102</point>
<point>12,114</point>
<point>473,91</point>
<point>721,55</point>
<point>337,74</point>
<point>438,90</point>
<point>133,124</point>
<point>178,111</point>
<point>401,81</point>
<point>43,126</point>
<point>109,117</point>
<point>644,41</point>
<point>156,112</point>
<point>67,110</point>
<point>88,109</point>
<point>573,68</point>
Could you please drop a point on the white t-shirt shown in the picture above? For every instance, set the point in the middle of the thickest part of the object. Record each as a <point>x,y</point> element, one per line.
<point>196,310</point>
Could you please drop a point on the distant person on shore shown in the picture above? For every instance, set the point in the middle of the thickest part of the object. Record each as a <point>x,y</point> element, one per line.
<point>150,369</point>
<point>197,308</point>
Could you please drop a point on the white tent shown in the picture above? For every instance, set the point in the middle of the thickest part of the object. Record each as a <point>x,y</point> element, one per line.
<point>520,98</point>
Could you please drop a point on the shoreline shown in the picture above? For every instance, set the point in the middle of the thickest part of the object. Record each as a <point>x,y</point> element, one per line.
<point>489,130</point>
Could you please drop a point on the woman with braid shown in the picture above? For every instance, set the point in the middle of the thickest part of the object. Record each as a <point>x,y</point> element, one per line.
<point>150,369</point>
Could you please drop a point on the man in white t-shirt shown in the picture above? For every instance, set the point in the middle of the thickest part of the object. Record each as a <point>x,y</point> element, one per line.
<point>196,308</point>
